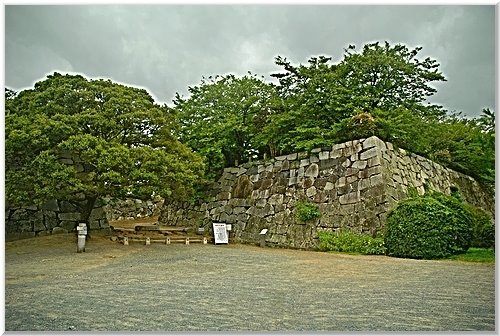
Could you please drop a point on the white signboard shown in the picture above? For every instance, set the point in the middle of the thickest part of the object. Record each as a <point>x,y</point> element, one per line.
<point>220,233</point>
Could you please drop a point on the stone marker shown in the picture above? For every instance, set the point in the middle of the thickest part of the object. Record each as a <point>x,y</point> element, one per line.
<point>82,233</point>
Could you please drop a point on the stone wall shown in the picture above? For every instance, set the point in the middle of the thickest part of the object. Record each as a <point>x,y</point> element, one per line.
<point>354,184</point>
<point>51,218</point>
<point>62,217</point>
<point>117,210</point>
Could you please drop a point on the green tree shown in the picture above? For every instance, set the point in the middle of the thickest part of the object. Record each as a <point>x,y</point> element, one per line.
<point>312,100</point>
<point>320,96</point>
<point>222,116</point>
<point>122,138</point>
<point>389,77</point>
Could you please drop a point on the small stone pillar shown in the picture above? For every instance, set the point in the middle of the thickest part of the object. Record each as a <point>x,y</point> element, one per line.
<point>82,233</point>
<point>263,235</point>
<point>148,241</point>
<point>125,240</point>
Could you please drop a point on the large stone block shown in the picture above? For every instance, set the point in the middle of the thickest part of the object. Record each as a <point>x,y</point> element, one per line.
<point>312,170</point>
<point>70,216</point>
<point>276,199</point>
<point>350,198</point>
<point>368,154</point>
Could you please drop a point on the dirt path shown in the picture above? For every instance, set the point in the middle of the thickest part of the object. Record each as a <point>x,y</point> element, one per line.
<point>112,287</point>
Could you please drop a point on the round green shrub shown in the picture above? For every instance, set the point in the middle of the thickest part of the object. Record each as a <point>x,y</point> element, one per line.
<point>429,227</point>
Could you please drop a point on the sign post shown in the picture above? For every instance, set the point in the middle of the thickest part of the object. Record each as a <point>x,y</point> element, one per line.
<point>220,233</point>
<point>263,237</point>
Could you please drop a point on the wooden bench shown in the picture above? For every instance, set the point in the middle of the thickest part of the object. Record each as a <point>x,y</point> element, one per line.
<point>166,241</point>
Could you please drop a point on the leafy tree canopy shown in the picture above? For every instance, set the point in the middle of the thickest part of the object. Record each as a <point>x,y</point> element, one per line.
<point>123,142</point>
<point>222,118</point>
<point>319,95</point>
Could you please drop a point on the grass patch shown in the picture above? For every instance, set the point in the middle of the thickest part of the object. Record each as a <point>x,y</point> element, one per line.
<point>483,255</point>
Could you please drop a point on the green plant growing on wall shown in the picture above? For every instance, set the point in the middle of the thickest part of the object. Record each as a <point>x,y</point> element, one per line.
<point>306,211</point>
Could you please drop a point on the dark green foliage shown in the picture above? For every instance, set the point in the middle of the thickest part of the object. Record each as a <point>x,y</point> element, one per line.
<point>305,211</point>
<point>428,227</point>
<point>347,241</point>
<point>483,234</point>
<point>123,140</point>
<point>222,117</point>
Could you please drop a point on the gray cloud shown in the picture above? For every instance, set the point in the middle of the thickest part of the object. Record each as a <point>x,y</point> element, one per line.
<point>166,48</point>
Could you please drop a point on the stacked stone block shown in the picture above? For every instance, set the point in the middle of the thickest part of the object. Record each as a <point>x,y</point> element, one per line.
<point>129,209</point>
<point>354,184</point>
<point>51,218</point>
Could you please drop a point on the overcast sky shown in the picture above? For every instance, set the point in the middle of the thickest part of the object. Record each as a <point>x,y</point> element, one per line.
<point>166,48</point>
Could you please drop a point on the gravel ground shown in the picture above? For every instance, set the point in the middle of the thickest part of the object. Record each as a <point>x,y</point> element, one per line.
<point>111,287</point>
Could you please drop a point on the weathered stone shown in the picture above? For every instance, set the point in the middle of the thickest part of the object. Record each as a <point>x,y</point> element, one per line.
<point>264,193</point>
<point>371,142</point>
<point>281,158</point>
<point>261,203</point>
<point>311,191</point>
<point>291,157</point>
<point>397,178</point>
<point>376,180</point>
<point>364,183</point>
<point>67,207</point>
<point>316,150</point>
<point>69,216</point>
<point>346,163</point>
<point>374,161</point>
<point>350,198</point>
<point>304,162</point>
<point>336,153</point>
<point>223,196</point>
<point>341,182</point>
<point>285,165</point>
<point>329,186</point>
<point>367,154</point>
<point>359,164</point>
<point>50,219</point>
<point>307,182</point>
<point>59,229</point>
<point>300,172</point>
<point>351,171</point>
<point>51,205</point>
<point>312,170</point>
<point>324,155</point>
<point>313,159</point>
<point>241,171</point>
<point>276,200</point>
<point>328,163</point>
<point>243,187</point>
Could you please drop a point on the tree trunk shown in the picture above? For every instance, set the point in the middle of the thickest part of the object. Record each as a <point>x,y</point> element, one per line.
<point>86,210</point>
